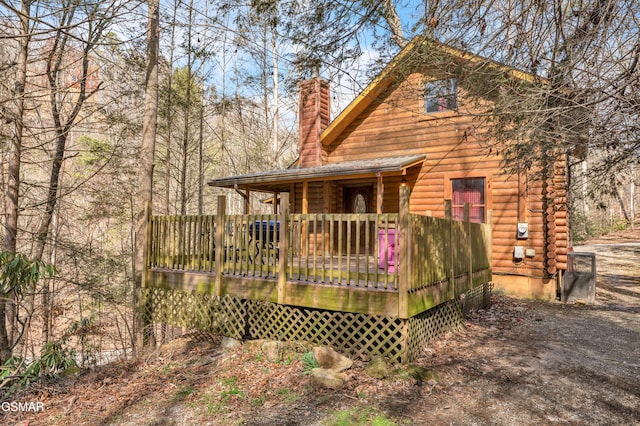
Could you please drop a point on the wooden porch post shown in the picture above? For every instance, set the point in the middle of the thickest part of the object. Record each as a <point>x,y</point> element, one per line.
<point>303,223</point>
<point>448,214</point>
<point>467,231</point>
<point>283,246</point>
<point>276,195</point>
<point>404,225</point>
<point>219,242</point>
<point>379,194</point>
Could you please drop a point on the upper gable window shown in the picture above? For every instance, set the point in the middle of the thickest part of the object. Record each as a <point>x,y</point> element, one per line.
<point>440,95</point>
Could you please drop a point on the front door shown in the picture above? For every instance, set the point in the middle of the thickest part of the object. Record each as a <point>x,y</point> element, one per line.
<point>359,199</point>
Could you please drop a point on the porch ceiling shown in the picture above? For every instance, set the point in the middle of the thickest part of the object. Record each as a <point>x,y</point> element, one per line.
<point>280,180</point>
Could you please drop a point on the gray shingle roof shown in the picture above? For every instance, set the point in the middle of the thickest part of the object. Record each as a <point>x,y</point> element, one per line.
<point>280,179</point>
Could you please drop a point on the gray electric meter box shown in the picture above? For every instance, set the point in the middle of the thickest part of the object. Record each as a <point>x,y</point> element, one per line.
<point>579,283</point>
<point>522,231</point>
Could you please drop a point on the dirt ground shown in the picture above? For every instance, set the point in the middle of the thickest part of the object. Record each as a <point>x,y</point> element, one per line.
<point>517,362</point>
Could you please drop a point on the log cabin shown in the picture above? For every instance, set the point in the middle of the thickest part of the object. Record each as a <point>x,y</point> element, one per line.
<point>394,221</point>
<point>417,125</point>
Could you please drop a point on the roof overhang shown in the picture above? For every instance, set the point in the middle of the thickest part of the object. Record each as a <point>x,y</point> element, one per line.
<point>281,180</point>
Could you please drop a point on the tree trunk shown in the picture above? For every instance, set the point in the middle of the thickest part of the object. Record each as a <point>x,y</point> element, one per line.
<point>276,99</point>
<point>201,124</point>
<point>390,15</point>
<point>13,185</point>
<point>62,127</point>
<point>187,120</point>
<point>145,181</point>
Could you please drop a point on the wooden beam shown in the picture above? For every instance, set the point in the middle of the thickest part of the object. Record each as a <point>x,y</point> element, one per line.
<point>276,195</point>
<point>404,224</point>
<point>305,197</point>
<point>219,242</point>
<point>379,194</point>
<point>342,298</point>
<point>306,295</point>
<point>283,247</point>
<point>326,197</point>
<point>427,297</point>
<point>292,197</point>
<point>448,214</point>
<point>467,241</point>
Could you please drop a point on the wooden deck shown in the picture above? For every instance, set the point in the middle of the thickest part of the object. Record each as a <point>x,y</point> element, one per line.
<point>394,265</point>
<point>366,284</point>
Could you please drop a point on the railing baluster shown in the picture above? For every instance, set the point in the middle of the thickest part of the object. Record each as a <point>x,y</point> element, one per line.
<point>340,249</point>
<point>356,254</point>
<point>348,251</point>
<point>331,247</point>
<point>307,232</point>
<point>323,244</point>
<point>367,245</point>
<point>315,247</point>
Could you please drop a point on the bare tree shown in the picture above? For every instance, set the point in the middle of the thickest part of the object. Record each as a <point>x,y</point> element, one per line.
<point>147,153</point>
<point>13,184</point>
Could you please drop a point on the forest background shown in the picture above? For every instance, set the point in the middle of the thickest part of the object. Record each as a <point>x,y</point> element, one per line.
<point>89,136</point>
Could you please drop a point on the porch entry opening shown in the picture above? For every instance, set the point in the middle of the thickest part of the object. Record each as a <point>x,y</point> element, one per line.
<point>359,199</point>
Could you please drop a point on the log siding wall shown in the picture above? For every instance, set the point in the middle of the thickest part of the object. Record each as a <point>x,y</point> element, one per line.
<point>453,142</point>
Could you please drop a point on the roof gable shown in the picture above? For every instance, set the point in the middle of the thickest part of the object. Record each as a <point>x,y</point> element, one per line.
<point>389,75</point>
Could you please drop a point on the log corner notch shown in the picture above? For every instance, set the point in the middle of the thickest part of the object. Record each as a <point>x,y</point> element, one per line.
<point>556,218</point>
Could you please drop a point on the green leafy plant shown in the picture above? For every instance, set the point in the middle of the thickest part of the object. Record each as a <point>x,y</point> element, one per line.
<point>211,403</point>
<point>54,359</point>
<point>183,393</point>
<point>309,362</point>
<point>229,381</point>
<point>83,328</point>
<point>11,367</point>
<point>18,273</point>
<point>225,395</point>
<point>259,401</point>
<point>358,417</point>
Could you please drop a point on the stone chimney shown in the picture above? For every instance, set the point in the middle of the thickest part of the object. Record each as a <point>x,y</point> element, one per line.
<point>314,118</point>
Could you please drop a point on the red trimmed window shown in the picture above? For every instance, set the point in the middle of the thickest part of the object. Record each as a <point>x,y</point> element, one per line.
<point>468,190</point>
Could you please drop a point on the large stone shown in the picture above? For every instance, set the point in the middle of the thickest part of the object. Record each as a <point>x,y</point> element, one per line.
<point>230,343</point>
<point>272,350</point>
<point>326,378</point>
<point>419,374</point>
<point>379,368</point>
<point>330,359</point>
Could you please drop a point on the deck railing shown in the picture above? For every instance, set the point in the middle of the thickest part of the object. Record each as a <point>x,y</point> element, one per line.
<point>423,260</point>
<point>447,248</point>
<point>337,249</point>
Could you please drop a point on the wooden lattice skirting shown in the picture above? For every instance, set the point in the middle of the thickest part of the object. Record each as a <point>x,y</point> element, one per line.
<point>359,335</point>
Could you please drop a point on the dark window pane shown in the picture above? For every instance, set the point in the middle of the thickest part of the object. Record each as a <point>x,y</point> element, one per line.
<point>440,95</point>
